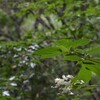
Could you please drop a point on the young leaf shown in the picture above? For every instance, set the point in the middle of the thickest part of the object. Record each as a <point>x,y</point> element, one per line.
<point>48,52</point>
<point>68,43</point>
<point>72,58</point>
<point>80,42</point>
<point>63,49</point>
<point>64,42</point>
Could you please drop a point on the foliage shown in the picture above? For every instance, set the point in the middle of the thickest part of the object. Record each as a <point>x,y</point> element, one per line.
<point>41,40</point>
<point>72,53</point>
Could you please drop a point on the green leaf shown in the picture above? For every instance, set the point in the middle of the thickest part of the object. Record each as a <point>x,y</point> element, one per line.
<point>91,60</point>
<point>64,42</point>
<point>48,52</point>
<point>84,74</point>
<point>63,49</point>
<point>80,42</point>
<point>97,60</point>
<point>68,43</point>
<point>94,68</point>
<point>72,58</point>
<point>93,51</point>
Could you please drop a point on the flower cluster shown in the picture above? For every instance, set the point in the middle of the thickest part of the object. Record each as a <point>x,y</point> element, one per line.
<point>65,84</point>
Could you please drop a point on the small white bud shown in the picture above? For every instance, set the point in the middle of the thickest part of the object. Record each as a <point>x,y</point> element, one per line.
<point>57,80</point>
<point>6,93</point>
<point>12,78</point>
<point>13,84</point>
<point>71,93</point>
<point>82,82</point>
<point>32,65</point>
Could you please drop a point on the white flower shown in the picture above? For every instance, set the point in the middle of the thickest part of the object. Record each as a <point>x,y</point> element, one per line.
<point>64,77</point>
<point>71,93</point>
<point>57,80</point>
<point>66,89</point>
<point>15,56</point>
<point>30,51</point>
<point>82,82</point>
<point>64,84</point>
<point>69,76</point>
<point>26,81</point>
<point>32,47</point>
<point>13,84</point>
<point>22,62</point>
<point>32,65</point>
<point>36,45</point>
<point>18,49</point>
<point>79,82</point>
<point>12,78</point>
<point>6,93</point>
<point>26,58</point>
